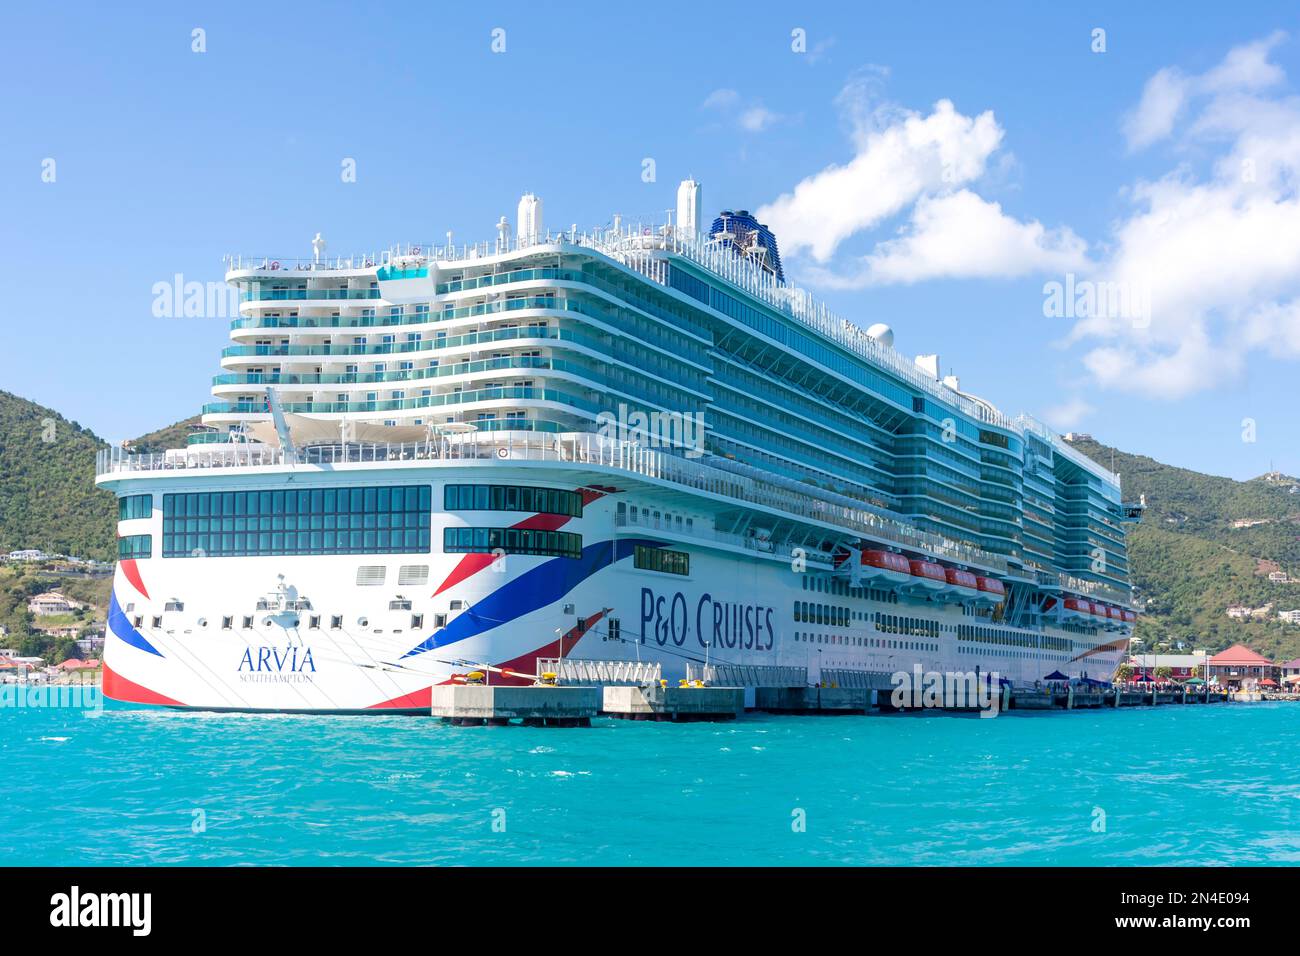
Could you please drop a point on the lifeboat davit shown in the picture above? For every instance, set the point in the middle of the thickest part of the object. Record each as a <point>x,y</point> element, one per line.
<point>991,591</point>
<point>885,567</point>
<point>962,586</point>
<point>927,577</point>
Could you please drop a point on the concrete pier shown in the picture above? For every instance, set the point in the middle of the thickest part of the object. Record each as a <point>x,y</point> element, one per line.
<point>673,703</point>
<point>1027,699</point>
<point>813,700</point>
<point>472,705</point>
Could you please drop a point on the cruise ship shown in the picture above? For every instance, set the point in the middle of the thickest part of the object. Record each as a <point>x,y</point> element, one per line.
<point>634,447</point>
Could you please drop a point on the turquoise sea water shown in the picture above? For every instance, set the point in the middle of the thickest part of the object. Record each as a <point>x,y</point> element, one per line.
<point>1176,785</point>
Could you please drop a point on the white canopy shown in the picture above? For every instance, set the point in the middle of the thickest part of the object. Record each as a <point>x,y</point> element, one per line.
<point>304,430</point>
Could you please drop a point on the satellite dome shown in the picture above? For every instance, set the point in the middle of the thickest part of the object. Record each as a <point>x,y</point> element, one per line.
<point>882,334</point>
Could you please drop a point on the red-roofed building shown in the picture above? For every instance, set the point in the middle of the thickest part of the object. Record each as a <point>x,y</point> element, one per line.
<point>1240,668</point>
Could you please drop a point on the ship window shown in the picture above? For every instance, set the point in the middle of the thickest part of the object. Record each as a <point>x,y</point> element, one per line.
<point>313,622</point>
<point>372,520</point>
<point>512,498</point>
<point>417,621</point>
<point>662,559</point>
<point>440,620</point>
<point>563,544</point>
<point>248,621</point>
<point>157,622</point>
<point>174,606</point>
<point>336,621</point>
<point>227,623</point>
<point>132,507</point>
<point>134,546</point>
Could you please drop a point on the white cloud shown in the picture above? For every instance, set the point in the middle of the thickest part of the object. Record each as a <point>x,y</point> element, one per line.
<point>902,155</point>
<point>1068,415</point>
<point>755,119</point>
<point>960,235</point>
<point>1245,69</point>
<point>924,166</point>
<point>1163,99</point>
<point>720,100</point>
<point>1219,252</point>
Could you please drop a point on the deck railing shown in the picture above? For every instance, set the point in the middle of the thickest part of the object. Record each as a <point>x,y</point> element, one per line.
<point>575,448</point>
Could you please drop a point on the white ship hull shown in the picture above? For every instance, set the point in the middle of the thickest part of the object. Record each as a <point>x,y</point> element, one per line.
<point>187,632</point>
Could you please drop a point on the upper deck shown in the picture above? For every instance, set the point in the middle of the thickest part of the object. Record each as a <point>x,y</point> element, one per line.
<point>644,249</point>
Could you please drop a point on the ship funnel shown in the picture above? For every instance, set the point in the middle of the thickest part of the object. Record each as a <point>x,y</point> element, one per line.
<point>530,219</point>
<point>690,197</point>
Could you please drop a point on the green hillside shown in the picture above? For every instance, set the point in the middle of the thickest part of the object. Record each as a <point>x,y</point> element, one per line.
<point>1189,562</point>
<point>48,498</point>
<point>173,436</point>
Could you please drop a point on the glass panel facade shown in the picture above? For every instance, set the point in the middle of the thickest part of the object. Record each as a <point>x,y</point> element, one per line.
<point>512,498</point>
<point>661,559</point>
<point>135,546</point>
<point>134,506</point>
<point>560,544</point>
<point>370,520</point>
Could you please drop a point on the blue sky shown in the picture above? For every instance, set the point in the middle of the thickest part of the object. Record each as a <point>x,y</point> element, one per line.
<point>1051,159</point>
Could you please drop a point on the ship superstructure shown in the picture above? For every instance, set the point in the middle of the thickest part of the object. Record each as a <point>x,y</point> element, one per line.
<point>633,443</point>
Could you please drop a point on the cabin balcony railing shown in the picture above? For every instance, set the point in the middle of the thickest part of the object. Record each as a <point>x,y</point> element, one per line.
<point>642,248</point>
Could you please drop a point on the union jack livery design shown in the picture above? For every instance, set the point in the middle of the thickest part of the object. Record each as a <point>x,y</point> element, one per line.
<point>632,444</point>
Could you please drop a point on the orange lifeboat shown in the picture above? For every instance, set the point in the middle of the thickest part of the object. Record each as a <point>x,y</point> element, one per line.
<point>885,567</point>
<point>1077,607</point>
<point>927,577</point>
<point>991,590</point>
<point>962,585</point>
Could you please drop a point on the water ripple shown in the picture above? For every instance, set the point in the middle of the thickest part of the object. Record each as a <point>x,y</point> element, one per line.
<point>1128,787</point>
